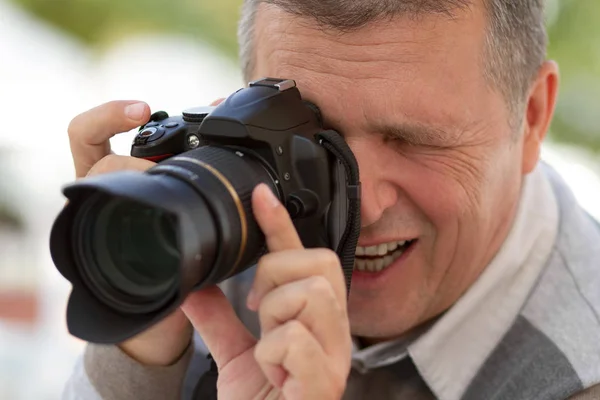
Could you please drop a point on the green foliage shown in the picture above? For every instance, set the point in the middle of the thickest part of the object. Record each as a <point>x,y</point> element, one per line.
<point>101,22</point>
<point>574,29</point>
<point>574,43</point>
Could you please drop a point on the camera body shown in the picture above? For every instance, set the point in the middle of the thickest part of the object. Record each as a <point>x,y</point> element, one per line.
<point>283,140</point>
<point>135,244</point>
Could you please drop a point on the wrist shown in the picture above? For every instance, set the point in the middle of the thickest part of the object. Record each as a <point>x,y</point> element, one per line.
<point>161,345</point>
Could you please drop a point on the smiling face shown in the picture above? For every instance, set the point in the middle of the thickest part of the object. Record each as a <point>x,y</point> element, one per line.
<point>438,161</point>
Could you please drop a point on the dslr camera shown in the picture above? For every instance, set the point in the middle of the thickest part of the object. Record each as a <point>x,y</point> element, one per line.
<point>135,244</point>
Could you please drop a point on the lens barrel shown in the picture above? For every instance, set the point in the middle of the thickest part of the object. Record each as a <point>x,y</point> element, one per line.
<point>135,244</point>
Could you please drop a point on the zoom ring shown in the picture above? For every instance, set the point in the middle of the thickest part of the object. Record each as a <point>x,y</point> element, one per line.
<point>239,174</point>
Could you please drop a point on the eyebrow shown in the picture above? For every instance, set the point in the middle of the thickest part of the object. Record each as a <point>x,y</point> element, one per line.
<point>415,134</point>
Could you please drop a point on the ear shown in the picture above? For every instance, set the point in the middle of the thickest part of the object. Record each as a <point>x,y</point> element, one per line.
<point>538,114</point>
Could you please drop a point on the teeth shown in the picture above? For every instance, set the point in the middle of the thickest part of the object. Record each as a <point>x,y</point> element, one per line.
<point>371,265</point>
<point>359,264</point>
<point>376,264</point>
<point>379,250</point>
<point>397,253</point>
<point>371,250</point>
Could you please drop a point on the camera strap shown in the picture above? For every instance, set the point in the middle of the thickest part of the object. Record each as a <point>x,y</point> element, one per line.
<point>206,389</point>
<point>336,145</point>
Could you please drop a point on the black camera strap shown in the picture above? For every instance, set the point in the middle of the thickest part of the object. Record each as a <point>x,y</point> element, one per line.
<point>335,144</point>
<point>206,389</point>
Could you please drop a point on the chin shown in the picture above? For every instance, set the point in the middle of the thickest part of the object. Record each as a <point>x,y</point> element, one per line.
<point>375,333</point>
<point>369,318</point>
<point>375,324</point>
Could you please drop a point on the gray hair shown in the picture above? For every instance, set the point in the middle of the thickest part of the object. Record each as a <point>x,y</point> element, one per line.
<point>516,37</point>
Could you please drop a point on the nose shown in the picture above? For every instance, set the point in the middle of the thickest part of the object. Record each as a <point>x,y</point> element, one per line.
<point>376,197</point>
<point>378,193</point>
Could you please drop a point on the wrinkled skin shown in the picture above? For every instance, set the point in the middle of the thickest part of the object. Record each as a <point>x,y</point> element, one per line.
<point>449,175</point>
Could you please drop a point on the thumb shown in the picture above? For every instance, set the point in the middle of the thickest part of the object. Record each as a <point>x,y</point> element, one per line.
<point>217,323</point>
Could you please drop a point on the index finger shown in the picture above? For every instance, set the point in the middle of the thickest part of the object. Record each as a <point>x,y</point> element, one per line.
<point>274,220</point>
<point>89,132</point>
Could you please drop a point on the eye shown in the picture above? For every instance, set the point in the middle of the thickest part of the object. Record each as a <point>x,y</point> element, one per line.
<point>405,144</point>
<point>397,141</point>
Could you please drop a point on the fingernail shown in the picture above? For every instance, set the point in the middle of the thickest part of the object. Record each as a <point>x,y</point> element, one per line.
<point>272,200</point>
<point>251,301</point>
<point>135,111</point>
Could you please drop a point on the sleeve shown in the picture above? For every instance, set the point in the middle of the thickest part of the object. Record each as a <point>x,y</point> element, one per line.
<point>107,373</point>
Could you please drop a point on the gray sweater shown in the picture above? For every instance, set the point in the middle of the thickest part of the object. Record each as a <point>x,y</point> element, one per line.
<point>528,329</point>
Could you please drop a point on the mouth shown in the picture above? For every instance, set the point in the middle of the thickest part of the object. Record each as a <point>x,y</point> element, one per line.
<point>378,257</point>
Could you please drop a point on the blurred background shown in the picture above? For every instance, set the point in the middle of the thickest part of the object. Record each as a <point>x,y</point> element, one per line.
<point>61,57</point>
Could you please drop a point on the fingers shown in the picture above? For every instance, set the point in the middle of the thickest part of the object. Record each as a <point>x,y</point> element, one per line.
<point>217,102</point>
<point>274,220</point>
<point>300,295</point>
<point>284,243</point>
<point>312,302</point>
<point>277,269</point>
<point>112,162</point>
<point>217,323</point>
<point>89,132</point>
<point>310,372</point>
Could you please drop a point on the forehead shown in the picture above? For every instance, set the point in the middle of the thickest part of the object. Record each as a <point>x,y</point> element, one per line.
<point>428,68</point>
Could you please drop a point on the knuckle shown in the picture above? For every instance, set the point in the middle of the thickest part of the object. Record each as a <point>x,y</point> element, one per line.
<point>294,332</point>
<point>114,162</point>
<point>271,262</point>
<point>75,126</point>
<point>301,346</point>
<point>262,264</point>
<point>266,312</point>
<point>104,165</point>
<point>328,258</point>
<point>264,261</point>
<point>136,164</point>
<point>260,353</point>
<point>319,286</point>
<point>217,102</point>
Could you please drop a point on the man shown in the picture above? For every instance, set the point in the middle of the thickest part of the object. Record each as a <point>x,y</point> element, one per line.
<point>476,274</point>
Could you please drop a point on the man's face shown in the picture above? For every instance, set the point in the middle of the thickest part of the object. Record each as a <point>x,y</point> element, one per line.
<point>438,162</point>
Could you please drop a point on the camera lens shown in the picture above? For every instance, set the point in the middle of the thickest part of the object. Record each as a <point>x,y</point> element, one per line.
<point>136,244</point>
<point>131,253</point>
<point>142,240</point>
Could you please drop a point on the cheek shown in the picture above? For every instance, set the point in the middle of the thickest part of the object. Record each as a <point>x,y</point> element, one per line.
<point>446,187</point>
<point>453,191</point>
<point>467,198</point>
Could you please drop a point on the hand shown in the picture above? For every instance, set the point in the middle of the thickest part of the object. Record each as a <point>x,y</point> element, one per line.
<point>89,135</point>
<point>300,295</point>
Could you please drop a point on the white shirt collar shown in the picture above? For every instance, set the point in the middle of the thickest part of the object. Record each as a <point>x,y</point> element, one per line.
<point>450,353</point>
